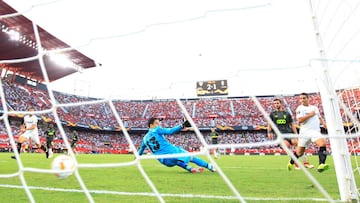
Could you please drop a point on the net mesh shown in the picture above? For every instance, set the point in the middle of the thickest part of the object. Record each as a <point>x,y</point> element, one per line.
<point>339,38</point>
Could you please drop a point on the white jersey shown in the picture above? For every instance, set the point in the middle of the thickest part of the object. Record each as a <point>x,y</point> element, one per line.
<point>313,123</point>
<point>30,120</point>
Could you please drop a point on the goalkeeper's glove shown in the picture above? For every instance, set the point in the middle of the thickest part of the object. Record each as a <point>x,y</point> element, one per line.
<point>186,124</point>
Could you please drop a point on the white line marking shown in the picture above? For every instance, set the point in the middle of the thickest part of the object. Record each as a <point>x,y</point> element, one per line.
<point>164,195</point>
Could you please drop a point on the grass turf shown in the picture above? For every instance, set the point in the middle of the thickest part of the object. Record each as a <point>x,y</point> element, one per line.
<point>257,178</point>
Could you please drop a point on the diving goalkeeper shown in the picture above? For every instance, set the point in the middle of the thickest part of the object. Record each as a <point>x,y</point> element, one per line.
<point>156,141</point>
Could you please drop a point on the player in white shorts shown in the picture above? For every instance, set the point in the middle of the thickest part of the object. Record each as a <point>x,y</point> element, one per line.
<point>29,130</point>
<point>309,119</point>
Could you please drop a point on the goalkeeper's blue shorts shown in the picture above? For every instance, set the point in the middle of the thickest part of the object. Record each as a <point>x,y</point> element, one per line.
<point>170,162</point>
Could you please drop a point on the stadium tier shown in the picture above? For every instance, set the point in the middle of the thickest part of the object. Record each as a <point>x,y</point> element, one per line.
<point>225,113</point>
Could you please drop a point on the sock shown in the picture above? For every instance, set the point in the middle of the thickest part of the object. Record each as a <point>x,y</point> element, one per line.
<point>45,150</point>
<point>304,159</point>
<point>19,147</point>
<point>183,165</point>
<point>292,161</point>
<point>322,155</point>
<point>199,162</point>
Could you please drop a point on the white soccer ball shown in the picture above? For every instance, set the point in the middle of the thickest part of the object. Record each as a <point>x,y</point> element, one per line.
<point>65,164</point>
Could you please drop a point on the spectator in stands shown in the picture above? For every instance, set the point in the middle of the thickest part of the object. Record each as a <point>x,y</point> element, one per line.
<point>157,143</point>
<point>309,118</point>
<point>284,122</point>
<point>29,129</point>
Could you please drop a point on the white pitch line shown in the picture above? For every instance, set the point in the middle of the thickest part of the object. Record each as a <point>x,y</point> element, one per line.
<point>164,195</point>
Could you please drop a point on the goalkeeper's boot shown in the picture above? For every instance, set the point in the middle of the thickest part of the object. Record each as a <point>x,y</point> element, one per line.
<point>211,168</point>
<point>322,168</point>
<point>308,165</point>
<point>290,166</point>
<point>13,157</point>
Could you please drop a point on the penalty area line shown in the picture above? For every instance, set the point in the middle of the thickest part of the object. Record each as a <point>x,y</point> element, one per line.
<point>163,195</point>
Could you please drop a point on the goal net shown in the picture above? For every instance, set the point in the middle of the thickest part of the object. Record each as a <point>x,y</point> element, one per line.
<point>322,61</point>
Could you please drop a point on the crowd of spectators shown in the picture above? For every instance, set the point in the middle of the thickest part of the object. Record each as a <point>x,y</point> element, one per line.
<point>225,111</point>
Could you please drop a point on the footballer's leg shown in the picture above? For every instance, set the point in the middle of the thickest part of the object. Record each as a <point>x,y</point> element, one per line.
<point>183,165</point>
<point>49,144</point>
<point>322,155</point>
<point>170,162</point>
<point>302,143</point>
<point>39,145</point>
<point>50,149</point>
<point>202,163</point>
<point>307,164</point>
<point>217,153</point>
<point>36,139</point>
<point>288,142</point>
<point>299,152</point>
<point>21,140</point>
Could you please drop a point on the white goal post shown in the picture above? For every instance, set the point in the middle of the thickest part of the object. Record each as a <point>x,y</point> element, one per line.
<point>341,156</point>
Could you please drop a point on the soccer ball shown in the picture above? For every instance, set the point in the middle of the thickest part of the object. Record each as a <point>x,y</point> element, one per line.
<point>63,163</point>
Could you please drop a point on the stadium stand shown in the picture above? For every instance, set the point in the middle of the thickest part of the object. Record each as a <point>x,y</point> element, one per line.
<point>99,132</point>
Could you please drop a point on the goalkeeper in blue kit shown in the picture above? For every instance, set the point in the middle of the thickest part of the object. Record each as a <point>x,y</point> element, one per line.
<point>156,141</point>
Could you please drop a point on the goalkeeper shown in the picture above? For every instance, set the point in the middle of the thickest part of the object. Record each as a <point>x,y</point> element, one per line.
<point>156,141</point>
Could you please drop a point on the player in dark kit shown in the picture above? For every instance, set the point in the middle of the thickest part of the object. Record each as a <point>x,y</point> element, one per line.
<point>74,140</point>
<point>284,122</point>
<point>214,136</point>
<point>50,134</point>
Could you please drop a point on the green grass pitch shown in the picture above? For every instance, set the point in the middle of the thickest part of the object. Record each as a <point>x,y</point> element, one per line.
<point>257,178</point>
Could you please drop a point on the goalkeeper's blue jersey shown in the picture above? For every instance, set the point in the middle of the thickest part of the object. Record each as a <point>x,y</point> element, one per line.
<point>156,141</point>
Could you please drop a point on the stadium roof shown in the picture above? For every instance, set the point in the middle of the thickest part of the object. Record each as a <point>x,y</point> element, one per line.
<point>23,45</point>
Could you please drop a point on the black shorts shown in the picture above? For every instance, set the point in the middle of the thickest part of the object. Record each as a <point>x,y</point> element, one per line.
<point>49,139</point>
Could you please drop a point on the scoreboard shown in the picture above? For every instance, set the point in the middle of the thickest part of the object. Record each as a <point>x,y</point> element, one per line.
<point>212,88</point>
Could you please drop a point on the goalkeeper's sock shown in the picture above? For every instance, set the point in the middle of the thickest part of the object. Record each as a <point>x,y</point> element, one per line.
<point>183,165</point>
<point>199,162</point>
<point>19,147</point>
